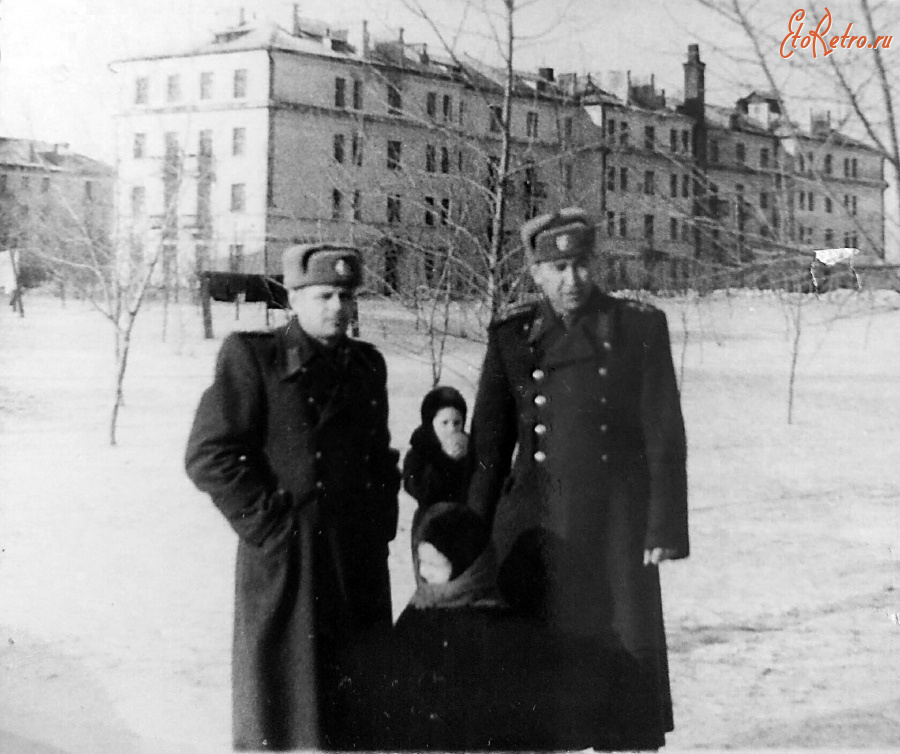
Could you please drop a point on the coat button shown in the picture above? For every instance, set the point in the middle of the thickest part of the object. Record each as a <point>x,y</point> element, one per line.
<point>540,400</point>
<point>604,458</point>
<point>540,456</point>
<point>538,374</point>
<point>320,485</point>
<point>318,455</point>
<point>374,402</point>
<point>603,428</point>
<point>607,345</point>
<point>602,371</point>
<point>310,400</point>
<point>540,429</point>
<point>603,400</point>
<point>368,485</point>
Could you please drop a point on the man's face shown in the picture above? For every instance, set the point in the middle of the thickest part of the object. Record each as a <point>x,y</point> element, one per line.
<point>565,282</point>
<point>323,311</point>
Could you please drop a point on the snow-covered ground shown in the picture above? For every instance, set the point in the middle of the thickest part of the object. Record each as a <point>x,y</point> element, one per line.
<point>116,575</point>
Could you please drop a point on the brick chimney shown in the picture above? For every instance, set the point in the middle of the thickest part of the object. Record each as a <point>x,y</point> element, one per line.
<point>694,83</point>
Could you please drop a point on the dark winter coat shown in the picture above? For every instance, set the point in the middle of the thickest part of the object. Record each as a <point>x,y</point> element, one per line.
<point>431,476</point>
<point>462,671</point>
<point>595,413</point>
<point>291,442</point>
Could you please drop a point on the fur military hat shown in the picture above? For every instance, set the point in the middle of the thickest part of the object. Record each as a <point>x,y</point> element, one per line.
<point>321,264</point>
<point>442,397</point>
<point>564,234</point>
<point>455,531</point>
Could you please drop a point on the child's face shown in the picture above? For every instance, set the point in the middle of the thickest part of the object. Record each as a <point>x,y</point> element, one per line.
<point>434,568</point>
<point>446,422</point>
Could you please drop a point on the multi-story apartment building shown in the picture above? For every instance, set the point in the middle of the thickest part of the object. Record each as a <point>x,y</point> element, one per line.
<point>51,199</point>
<point>265,137</point>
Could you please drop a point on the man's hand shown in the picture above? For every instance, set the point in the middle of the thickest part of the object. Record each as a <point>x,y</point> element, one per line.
<point>455,445</point>
<point>658,554</point>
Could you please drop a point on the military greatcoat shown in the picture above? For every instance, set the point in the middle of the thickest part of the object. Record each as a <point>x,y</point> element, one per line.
<point>591,412</point>
<point>291,442</point>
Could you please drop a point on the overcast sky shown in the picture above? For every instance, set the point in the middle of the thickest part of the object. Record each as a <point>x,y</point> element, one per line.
<point>55,84</point>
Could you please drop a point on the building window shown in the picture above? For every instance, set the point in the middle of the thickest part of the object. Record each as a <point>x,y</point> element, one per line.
<point>610,223</point>
<point>764,158</point>
<point>801,164</point>
<point>447,107</point>
<point>846,167</point>
<point>431,104</point>
<point>204,145</point>
<point>173,88</point>
<point>429,210</point>
<point>337,199</point>
<point>853,167</point>
<point>778,180</point>
<point>141,90</point>
<point>139,148</point>
<point>649,137</point>
<point>45,185</point>
<point>801,199</point>
<point>138,199</point>
<point>809,159</point>
<point>569,176</point>
<point>829,237</point>
<point>340,86</point>
<point>357,205</point>
<point>496,116</point>
<point>685,185</point>
<point>236,257</point>
<point>648,227</point>
<point>811,201</point>
<point>89,191</point>
<point>393,208</point>
<point>827,166</point>
<point>623,133</point>
<point>430,158</point>
<point>238,197</point>
<point>686,142</point>
<point>846,238</point>
<point>173,151</point>
<point>459,161</point>
<point>649,183</point>
<point>356,147</point>
<point>445,211</point>
<point>623,225</point>
<point>395,98</point>
<point>611,129</point>
<point>610,178</point>
<point>828,205</point>
<point>206,85</point>
<point>461,112</point>
<point>338,148</point>
<point>240,83</point>
<point>714,150</point>
<point>568,124</point>
<point>357,94</point>
<point>853,205</point>
<point>4,184</point>
<point>393,155</point>
<point>445,160</point>
<point>763,200</point>
<point>740,153</point>
<point>531,124</point>
<point>238,141</point>
<point>623,179</point>
<point>673,140</point>
<point>673,228</point>
<point>673,185</point>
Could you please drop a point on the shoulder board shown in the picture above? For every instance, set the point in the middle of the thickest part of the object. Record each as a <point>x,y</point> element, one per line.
<point>515,312</point>
<point>638,306</point>
<point>366,351</point>
<point>253,334</point>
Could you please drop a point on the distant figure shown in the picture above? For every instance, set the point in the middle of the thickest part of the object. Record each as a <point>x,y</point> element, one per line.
<point>436,469</point>
<point>291,442</point>
<point>580,388</point>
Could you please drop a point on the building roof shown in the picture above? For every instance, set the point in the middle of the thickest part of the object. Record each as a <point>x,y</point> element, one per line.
<point>43,156</point>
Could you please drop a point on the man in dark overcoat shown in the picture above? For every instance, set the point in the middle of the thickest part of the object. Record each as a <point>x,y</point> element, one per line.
<point>579,388</point>
<point>291,442</point>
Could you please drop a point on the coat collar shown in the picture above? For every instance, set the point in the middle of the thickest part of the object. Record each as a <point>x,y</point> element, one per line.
<point>297,350</point>
<point>583,324</point>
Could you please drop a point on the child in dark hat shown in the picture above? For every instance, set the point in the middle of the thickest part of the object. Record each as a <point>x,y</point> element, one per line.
<point>437,468</point>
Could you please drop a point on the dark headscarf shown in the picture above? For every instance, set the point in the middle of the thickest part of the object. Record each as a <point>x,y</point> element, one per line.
<point>442,397</point>
<point>463,538</point>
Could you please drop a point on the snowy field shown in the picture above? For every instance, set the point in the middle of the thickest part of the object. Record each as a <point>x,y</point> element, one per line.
<point>116,575</point>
